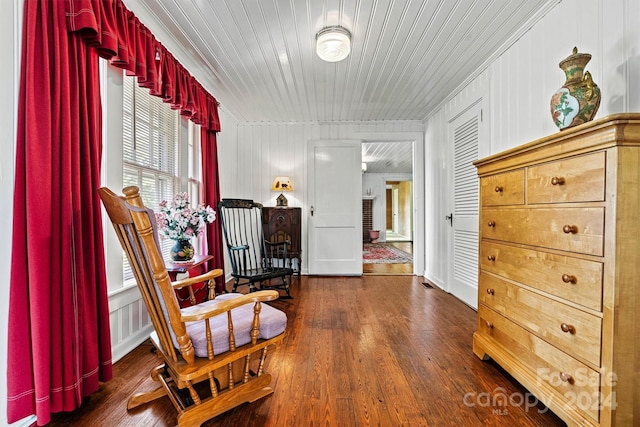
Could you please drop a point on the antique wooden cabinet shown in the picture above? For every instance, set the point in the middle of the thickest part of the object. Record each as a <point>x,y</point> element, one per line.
<point>559,269</point>
<point>285,224</point>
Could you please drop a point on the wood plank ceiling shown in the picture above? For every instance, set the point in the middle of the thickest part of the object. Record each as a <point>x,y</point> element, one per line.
<point>388,157</point>
<point>257,57</point>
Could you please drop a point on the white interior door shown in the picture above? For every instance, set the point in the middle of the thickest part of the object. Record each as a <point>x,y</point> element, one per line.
<point>335,208</point>
<point>464,131</point>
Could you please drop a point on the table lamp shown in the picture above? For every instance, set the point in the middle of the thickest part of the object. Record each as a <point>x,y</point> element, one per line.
<point>282,183</point>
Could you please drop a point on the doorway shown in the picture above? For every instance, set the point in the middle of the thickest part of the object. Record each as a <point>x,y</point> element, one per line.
<point>399,218</point>
<point>387,183</point>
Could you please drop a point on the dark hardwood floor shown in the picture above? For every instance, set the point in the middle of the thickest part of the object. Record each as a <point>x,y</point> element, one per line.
<point>360,351</point>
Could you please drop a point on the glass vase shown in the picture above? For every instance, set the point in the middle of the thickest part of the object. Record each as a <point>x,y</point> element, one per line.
<point>182,251</point>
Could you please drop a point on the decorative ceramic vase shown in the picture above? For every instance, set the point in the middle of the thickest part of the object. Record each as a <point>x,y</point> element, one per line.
<point>577,101</point>
<point>182,251</point>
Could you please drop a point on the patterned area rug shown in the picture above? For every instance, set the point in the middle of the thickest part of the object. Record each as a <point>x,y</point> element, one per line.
<point>380,253</point>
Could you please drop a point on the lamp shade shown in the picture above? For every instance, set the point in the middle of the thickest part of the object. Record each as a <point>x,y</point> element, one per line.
<point>282,183</point>
<point>333,44</point>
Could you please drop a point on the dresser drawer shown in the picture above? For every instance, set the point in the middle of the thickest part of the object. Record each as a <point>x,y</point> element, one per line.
<point>576,179</point>
<point>577,385</point>
<point>578,230</point>
<point>503,189</point>
<point>570,278</point>
<point>571,330</point>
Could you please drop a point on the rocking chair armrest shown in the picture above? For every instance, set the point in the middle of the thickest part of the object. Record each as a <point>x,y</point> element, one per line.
<point>223,306</point>
<point>280,248</point>
<point>212,274</point>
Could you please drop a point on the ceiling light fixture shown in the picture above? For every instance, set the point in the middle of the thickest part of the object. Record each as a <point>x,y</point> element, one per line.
<point>333,44</point>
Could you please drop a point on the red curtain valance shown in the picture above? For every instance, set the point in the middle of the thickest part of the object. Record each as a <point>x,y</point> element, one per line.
<point>118,36</point>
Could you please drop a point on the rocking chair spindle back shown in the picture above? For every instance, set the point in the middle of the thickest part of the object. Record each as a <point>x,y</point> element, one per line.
<point>253,258</point>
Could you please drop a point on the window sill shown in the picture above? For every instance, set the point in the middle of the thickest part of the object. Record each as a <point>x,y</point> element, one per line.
<point>126,287</point>
<point>124,296</point>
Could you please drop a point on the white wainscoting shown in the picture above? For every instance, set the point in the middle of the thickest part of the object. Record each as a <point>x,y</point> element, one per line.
<point>130,322</point>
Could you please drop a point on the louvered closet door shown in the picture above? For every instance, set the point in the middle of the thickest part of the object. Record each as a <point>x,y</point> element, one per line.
<point>464,132</point>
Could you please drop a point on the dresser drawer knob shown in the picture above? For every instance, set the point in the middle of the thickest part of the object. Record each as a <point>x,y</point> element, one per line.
<point>567,278</point>
<point>568,328</point>
<point>567,378</point>
<point>491,257</point>
<point>490,291</point>
<point>491,224</point>
<point>488,324</point>
<point>570,229</point>
<point>557,180</point>
<point>498,189</point>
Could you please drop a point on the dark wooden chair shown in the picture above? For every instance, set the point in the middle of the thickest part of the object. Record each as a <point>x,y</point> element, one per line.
<point>213,352</point>
<point>253,258</point>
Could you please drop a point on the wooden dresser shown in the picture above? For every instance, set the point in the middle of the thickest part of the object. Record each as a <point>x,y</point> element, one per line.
<point>284,224</point>
<point>559,269</point>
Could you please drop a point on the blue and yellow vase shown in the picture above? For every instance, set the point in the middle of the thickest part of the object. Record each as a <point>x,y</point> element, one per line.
<point>577,101</point>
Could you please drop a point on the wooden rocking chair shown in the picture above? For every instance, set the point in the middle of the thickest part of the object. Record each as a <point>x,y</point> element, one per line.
<point>254,259</point>
<point>214,352</point>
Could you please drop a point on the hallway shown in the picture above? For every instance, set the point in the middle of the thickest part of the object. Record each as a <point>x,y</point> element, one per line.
<point>391,269</point>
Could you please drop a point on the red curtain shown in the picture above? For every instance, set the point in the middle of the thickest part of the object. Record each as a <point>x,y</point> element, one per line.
<point>211,190</point>
<point>117,35</point>
<point>59,339</point>
<point>59,343</point>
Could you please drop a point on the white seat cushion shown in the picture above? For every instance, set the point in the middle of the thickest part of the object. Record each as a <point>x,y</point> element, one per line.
<point>273,322</point>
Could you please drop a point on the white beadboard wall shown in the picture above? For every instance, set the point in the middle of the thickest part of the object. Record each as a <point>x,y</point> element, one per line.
<point>129,321</point>
<point>516,91</point>
<point>262,151</point>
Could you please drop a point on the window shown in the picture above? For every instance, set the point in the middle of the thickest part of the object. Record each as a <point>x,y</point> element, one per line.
<point>151,150</point>
<point>149,145</point>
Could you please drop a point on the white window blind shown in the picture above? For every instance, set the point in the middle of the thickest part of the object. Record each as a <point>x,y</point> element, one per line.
<point>151,148</point>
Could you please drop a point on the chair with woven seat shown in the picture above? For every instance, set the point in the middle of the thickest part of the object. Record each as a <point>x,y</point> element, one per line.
<point>213,352</point>
<point>254,259</point>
